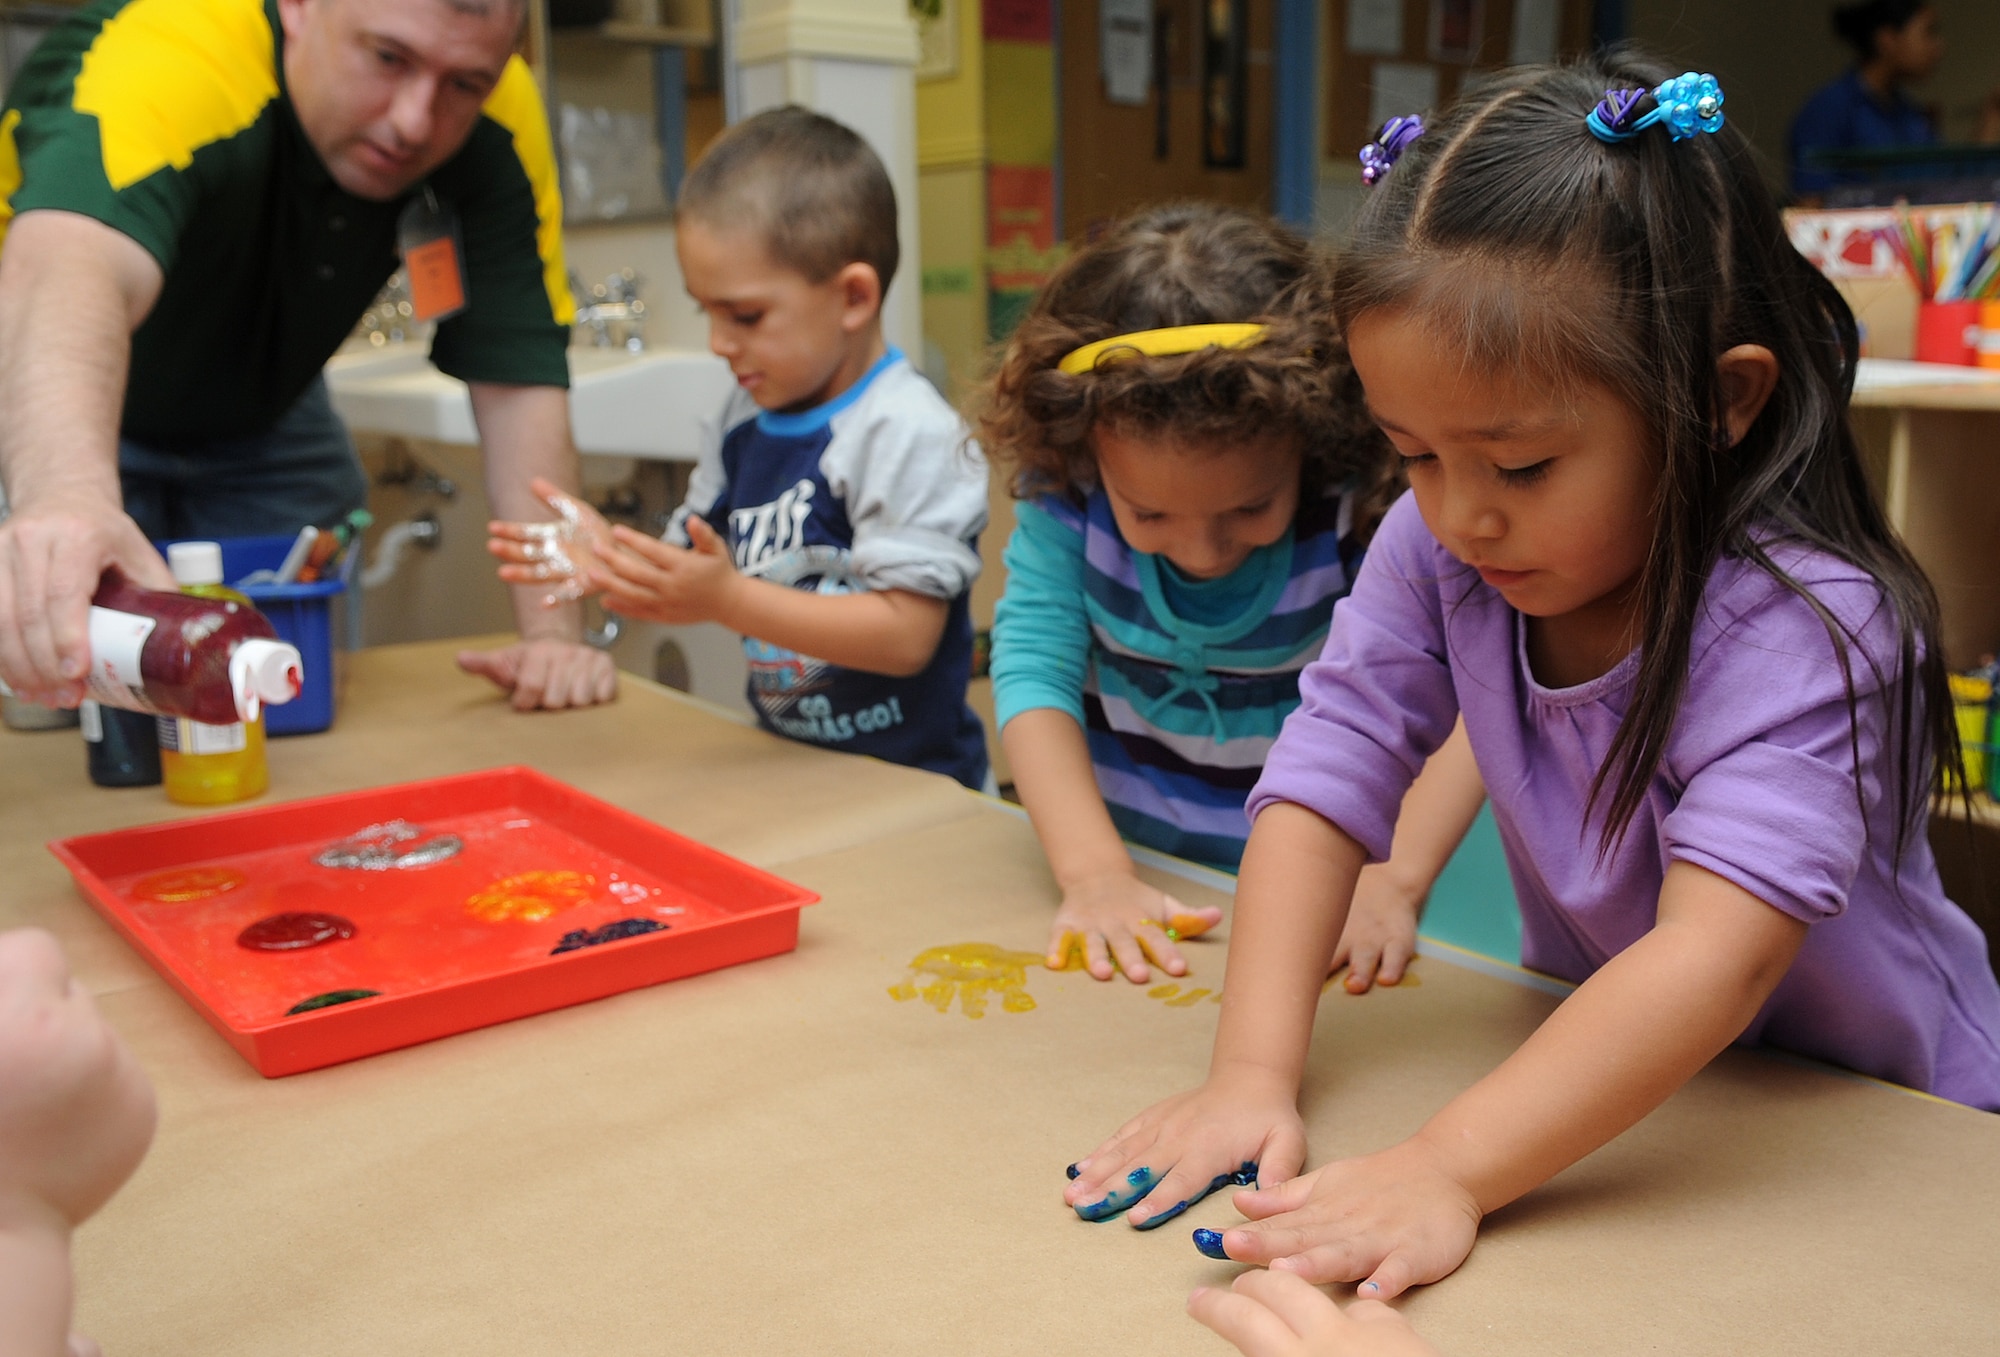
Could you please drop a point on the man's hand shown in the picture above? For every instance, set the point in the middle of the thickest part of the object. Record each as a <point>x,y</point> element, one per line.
<point>72,290</point>
<point>52,553</point>
<point>546,675</point>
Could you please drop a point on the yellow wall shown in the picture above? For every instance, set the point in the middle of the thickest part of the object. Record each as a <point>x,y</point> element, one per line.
<point>951,207</point>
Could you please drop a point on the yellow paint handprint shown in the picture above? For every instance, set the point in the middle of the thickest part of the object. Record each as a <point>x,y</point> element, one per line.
<point>1173,997</point>
<point>971,972</point>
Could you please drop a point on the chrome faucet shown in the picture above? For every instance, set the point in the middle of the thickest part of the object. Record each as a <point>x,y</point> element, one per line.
<point>612,311</point>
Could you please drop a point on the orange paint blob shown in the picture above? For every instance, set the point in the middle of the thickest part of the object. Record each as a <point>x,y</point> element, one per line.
<point>186,884</point>
<point>530,897</point>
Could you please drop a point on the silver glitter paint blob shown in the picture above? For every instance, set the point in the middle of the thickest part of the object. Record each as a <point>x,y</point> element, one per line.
<point>377,848</point>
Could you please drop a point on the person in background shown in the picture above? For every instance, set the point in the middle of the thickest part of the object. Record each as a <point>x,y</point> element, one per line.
<point>198,200</point>
<point>833,515</point>
<point>76,1115</point>
<point>1896,43</point>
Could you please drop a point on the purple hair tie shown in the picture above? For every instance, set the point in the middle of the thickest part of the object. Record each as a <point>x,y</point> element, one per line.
<point>1379,156</point>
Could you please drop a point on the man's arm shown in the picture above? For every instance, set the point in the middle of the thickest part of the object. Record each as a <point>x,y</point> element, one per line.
<point>72,290</point>
<point>524,433</point>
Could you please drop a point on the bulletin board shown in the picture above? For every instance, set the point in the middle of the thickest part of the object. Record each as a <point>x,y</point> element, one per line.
<point>1391,57</point>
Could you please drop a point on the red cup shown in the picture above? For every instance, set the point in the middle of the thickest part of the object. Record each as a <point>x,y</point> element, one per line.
<point>1948,332</point>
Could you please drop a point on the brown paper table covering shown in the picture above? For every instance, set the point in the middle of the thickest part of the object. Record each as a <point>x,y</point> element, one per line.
<point>784,1158</point>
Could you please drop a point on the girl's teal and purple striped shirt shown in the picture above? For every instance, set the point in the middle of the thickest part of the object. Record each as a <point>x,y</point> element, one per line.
<point>1180,685</point>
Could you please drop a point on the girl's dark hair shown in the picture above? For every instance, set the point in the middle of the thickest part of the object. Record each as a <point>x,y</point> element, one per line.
<point>1524,243</point>
<point>1185,264</point>
<point>1856,25</point>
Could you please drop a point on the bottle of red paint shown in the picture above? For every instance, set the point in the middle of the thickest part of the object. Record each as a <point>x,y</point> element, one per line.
<point>213,660</point>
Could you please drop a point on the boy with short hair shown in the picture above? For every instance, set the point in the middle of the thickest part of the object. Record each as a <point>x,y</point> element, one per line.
<point>833,519</point>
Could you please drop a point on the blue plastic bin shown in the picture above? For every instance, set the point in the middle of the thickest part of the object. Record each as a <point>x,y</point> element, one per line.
<point>322,619</point>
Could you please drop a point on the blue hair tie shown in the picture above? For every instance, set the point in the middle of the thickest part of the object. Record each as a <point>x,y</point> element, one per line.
<point>1379,156</point>
<point>1684,105</point>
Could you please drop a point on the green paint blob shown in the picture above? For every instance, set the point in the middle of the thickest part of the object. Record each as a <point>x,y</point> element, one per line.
<point>329,999</point>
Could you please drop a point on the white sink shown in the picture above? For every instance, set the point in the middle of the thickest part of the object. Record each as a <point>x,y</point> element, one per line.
<point>647,404</point>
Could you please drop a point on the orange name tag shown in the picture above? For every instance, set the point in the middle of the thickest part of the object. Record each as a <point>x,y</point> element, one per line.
<point>436,287</point>
<point>427,235</point>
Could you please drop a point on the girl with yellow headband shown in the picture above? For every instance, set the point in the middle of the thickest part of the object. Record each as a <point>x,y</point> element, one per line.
<point>1196,482</point>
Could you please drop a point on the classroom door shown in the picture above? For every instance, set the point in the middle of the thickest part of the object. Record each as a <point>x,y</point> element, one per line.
<point>1164,99</point>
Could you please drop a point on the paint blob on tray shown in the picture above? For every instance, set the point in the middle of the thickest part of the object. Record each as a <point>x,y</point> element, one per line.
<point>262,928</point>
<point>380,848</point>
<point>615,931</point>
<point>187,884</point>
<point>294,932</point>
<point>531,897</point>
<point>329,999</point>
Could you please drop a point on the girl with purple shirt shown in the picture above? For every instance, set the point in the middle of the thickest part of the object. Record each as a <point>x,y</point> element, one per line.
<point>1701,676</point>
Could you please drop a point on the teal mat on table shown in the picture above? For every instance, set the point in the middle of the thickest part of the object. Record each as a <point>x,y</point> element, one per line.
<point>1472,905</point>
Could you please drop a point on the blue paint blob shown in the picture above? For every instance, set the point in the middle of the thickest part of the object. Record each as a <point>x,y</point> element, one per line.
<point>1155,1222</point>
<point>1072,1172</point>
<point>1246,1176</point>
<point>612,932</point>
<point>1209,1244</point>
<point>1140,1180</point>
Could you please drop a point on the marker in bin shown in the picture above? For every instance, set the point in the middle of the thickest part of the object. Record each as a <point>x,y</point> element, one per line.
<point>329,546</point>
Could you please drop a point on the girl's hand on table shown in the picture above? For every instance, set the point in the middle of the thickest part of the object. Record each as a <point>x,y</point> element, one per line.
<point>1381,933</point>
<point>1120,923</point>
<point>1241,1127</point>
<point>1390,1220</point>
<point>565,553</point>
<point>1275,1314</point>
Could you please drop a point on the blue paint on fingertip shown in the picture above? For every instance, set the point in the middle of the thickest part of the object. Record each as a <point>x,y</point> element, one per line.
<point>1073,1171</point>
<point>1209,1244</point>
<point>1140,1181</point>
<point>1154,1222</point>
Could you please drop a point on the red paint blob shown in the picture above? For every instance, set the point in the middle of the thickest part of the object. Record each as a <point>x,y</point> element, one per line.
<point>291,932</point>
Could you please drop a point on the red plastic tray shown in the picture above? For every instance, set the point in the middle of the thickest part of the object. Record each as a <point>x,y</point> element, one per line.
<point>440,968</point>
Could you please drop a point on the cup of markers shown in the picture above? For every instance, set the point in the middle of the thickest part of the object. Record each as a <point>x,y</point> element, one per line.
<point>1952,257</point>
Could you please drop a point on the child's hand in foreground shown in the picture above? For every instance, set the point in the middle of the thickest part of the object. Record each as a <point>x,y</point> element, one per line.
<point>1395,1219</point>
<point>1381,932</point>
<point>564,553</point>
<point>1274,1314</point>
<point>1120,923</point>
<point>76,1114</point>
<point>1175,1153</point>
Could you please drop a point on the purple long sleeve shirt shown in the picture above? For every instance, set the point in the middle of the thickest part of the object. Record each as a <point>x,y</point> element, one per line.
<point>1756,785</point>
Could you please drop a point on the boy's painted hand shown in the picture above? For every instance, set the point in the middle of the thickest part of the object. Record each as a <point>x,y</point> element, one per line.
<point>1381,933</point>
<point>564,553</point>
<point>1275,1314</point>
<point>1175,1153</point>
<point>1390,1220</point>
<point>659,582</point>
<point>1119,923</point>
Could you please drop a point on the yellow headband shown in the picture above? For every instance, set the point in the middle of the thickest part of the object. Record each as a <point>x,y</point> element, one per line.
<point>1160,343</point>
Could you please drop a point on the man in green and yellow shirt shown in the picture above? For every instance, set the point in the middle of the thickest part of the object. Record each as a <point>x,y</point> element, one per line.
<point>198,199</point>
